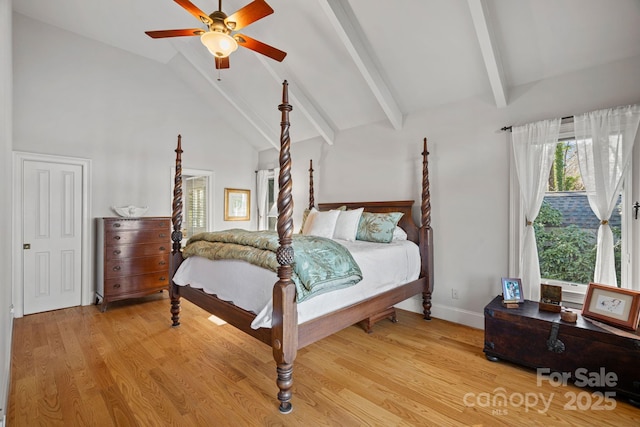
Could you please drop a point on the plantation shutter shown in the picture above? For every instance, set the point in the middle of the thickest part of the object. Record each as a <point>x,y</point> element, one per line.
<point>196,205</point>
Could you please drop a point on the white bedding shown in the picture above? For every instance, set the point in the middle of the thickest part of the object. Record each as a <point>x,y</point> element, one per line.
<point>383,266</point>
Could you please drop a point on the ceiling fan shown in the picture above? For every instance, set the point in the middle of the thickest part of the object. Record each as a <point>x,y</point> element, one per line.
<point>219,38</point>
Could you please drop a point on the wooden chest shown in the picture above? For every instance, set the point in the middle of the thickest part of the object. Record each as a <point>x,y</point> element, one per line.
<point>132,257</point>
<point>583,352</point>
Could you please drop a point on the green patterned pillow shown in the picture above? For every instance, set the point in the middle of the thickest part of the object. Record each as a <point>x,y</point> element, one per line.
<point>377,227</point>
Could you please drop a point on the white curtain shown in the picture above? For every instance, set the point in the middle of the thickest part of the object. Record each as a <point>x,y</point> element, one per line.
<point>262,186</point>
<point>604,141</point>
<point>276,183</point>
<point>533,148</point>
<point>276,188</point>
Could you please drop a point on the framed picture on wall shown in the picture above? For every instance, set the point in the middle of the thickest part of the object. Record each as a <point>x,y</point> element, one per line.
<point>612,305</point>
<point>237,204</point>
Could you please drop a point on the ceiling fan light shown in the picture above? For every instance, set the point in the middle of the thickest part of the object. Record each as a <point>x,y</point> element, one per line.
<point>219,44</point>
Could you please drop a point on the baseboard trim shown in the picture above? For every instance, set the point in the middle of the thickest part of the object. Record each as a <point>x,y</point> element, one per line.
<point>6,373</point>
<point>458,315</point>
<point>444,312</point>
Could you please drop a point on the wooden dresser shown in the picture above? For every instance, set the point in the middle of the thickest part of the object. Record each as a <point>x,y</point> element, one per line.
<point>132,257</point>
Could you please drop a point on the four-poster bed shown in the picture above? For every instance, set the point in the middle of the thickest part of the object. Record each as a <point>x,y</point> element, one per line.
<point>286,333</point>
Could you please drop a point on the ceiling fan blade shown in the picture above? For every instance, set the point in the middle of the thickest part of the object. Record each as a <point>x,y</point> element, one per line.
<point>255,10</point>
<point>222,63</point>
<point>194,10</point>
<point>260,47</point>
<point>175,33</point>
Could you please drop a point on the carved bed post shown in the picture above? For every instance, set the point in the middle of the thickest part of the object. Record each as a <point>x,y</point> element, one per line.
<point>176,235</point>
<point>284,330</point>
<point>426,235</point>
<point>312,201</point>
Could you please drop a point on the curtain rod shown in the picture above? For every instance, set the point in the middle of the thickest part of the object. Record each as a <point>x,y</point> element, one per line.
<point>508,128</point>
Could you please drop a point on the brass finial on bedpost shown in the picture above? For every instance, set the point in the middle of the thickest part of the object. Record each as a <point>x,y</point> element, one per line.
<point>176,234</point>
<point>312,201</point>
<point>284,332</point>
<point>426,236</point>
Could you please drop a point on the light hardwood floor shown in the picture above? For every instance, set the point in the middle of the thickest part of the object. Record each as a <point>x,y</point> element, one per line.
<point>128,367</point>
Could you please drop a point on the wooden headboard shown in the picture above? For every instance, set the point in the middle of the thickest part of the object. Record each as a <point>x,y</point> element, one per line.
<point>404,206</point>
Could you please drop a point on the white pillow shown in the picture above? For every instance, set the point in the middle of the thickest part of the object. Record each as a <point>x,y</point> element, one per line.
<point>347,224</point>
<point>321,224</point>
<point>399,234</point>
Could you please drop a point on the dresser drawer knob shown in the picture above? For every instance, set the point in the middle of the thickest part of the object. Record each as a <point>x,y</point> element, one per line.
<point>162,235</point>
<point>117,252</point>
<point>117,224</point>
<point>117,268</point>
<point>162,278</point>
<point>162,248</point>
<point>162,263</point>
<point>117,285</point>
<point>116,237</point>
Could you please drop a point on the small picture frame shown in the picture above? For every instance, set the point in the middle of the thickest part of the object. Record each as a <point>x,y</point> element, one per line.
<point>550,298</point>
<point>512,290</point>
<point>612,305</point>
<point>237,204</point>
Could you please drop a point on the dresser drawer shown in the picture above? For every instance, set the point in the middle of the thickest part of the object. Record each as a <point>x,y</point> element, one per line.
<point>136,224</point>
<point>133,266</point>
<point>135,284</point>
<point>132,251</point>
<point>118,237</point>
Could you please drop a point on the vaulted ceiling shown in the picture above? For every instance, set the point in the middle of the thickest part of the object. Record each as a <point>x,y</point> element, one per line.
<point>355,62</point>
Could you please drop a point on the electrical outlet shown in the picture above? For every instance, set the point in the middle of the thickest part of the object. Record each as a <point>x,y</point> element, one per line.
<point>454,293</point>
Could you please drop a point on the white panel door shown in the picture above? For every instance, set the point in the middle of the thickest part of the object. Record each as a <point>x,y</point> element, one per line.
<point>52,236</point>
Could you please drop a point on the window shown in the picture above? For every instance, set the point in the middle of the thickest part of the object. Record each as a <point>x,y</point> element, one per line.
<point>566,227</point>
<point>197,202</point>
<point>272,198</point>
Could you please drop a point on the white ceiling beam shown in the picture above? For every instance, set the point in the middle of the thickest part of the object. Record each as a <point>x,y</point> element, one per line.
<point>489,48</point>
<point>195,58</point>
<point>346,25</point>
<point>299,100</point>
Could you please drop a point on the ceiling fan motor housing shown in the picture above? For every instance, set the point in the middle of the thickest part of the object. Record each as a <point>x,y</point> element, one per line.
<point>218,24</point>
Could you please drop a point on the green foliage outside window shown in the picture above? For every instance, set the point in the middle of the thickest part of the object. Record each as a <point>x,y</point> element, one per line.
<point>564,175</point>
<point>568,253</point>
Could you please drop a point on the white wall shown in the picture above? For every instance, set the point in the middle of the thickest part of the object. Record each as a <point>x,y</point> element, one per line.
<point>6,315</point>
<point>80,98</point>
<point>469,173</point>
<point>77,97</point>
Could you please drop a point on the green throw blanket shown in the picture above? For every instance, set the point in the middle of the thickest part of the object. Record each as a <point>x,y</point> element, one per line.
<point>320,265</point>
